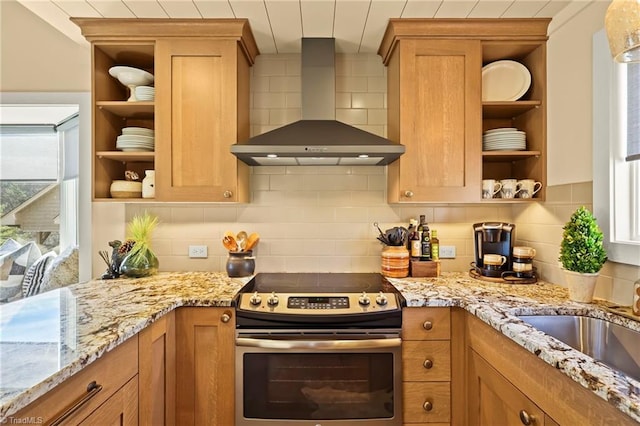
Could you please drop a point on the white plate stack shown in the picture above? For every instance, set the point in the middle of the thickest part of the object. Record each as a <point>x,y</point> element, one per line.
<point>504,139</point>
<point>145,93</point>
<point>136,139</point>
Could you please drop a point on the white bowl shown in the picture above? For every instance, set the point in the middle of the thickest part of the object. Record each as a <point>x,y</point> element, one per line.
<point>131,77</point>
<point>126,189</point>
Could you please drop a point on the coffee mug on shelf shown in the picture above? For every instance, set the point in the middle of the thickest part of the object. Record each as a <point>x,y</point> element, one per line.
<point>509,188</point>
<point>490,187</point>
<point>527,188</point>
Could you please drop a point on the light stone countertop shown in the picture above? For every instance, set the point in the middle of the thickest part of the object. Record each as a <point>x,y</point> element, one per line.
<point>64,330</point>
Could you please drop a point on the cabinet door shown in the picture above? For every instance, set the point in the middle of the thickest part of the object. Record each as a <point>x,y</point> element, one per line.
<point>200,87</point>
<point>205,340</point>
<point>120,409</point>
<point>436,112</point>
<point>157,372</point>
<point>494,400</point>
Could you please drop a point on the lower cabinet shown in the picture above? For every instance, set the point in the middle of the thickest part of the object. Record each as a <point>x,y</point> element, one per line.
<point>494,400</point>
<point>157,372</point>
<point>105,392</point>
<point>508,385</point>
<point>120,409</point>
<point>426,366</point>
<point>205,366</point>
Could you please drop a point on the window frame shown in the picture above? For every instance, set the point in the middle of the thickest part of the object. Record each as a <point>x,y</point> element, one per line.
<point>83,100</point>
<point>612,175</point>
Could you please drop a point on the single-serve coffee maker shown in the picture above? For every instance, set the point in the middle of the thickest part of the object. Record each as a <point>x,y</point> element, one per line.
<point>493,246</point>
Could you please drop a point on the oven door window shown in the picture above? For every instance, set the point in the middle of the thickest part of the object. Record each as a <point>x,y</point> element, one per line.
<point>314,386</point>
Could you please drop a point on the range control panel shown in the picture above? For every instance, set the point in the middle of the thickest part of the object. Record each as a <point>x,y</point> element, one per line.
<point>318,304</point>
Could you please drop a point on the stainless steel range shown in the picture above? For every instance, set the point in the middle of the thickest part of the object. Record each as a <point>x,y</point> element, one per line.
<point>318,349</point>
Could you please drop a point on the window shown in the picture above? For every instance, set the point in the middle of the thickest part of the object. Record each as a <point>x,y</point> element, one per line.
<point>72,167</point>
<point>616,174</point>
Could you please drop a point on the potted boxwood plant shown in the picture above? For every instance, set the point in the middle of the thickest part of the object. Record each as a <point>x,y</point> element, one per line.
<point>582,254</point>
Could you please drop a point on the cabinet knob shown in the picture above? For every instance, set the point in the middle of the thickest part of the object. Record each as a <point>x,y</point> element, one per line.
<point>408,193</point>
<point>427,363</point>
<point>427,325</point>
<point>227,194</point>
<point>427,406</point>
<point>526,418</point>
<point>225,318</point>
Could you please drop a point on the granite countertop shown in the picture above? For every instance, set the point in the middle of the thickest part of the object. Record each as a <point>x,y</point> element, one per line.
<point>64,330</point>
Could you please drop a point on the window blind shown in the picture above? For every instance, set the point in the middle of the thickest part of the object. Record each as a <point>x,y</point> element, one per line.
<point>633,111</point>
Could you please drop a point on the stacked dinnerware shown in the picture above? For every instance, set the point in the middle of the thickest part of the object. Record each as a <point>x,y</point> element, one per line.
<point>504,139</point>
<point>145,93</point>
<point>136,139</point>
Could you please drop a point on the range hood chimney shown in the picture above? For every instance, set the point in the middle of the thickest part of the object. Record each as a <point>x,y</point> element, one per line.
<point>317,139</point>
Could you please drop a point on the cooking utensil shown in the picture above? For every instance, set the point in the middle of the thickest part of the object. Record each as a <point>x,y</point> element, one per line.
<point>229,241</point>
<point>241,239</point>
<point>252,240</point>
<point>382,237</point>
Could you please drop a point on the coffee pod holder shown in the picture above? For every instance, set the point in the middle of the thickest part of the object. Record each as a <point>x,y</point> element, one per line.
<point>505,277</point>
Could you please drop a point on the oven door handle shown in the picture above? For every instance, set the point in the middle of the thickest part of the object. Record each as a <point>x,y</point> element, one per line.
<point>319,344</point>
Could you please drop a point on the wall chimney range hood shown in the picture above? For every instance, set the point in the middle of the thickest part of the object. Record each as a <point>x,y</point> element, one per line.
<point>317,139</point>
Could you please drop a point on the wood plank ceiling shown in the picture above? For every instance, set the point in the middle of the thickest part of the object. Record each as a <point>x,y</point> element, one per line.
<point>279,25</point>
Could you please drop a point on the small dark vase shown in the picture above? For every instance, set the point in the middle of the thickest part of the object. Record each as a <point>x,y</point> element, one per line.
<point>138,265</point>
<point>241,263</point>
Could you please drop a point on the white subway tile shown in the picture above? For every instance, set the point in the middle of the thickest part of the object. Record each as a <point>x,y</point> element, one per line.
<point>370,67</point>
<point>268,66</point>
<point>283,116</point>
<point>220,214</point>
<point>377,116</point>
<point>351,84</point>
<point>269,100</point>
<point>259,116</point>
<point>293,100</point>
<point>377,85</point>
<point>343,100</point>
<point>285,84</point>
<point>352,116</point>
<point>367,100</point>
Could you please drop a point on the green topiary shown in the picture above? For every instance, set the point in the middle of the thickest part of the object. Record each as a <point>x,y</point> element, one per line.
<point>581,249</point>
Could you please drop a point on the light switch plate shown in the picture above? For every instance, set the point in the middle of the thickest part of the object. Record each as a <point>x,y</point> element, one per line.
<point>447,252</point>
<point>198,252</point>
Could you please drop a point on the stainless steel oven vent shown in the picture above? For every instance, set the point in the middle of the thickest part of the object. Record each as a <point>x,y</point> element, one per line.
<point>318,139</point>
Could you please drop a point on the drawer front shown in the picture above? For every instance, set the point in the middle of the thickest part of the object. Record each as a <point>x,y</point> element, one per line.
<point>426,324</point>
<point>426,402</point>
<point>111,371</point>
<point>426,361</point>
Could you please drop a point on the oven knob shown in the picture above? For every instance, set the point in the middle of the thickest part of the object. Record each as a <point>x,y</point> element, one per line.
<point>381,299</point>
<point>364,299</point>
<point>255,299</point>
<point>273,299</point>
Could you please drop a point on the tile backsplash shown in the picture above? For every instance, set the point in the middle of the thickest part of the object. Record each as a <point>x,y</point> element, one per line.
<point>321,218</point>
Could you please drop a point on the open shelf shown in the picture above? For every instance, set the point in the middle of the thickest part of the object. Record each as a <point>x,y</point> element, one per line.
<point>128,109</point>
<point>127,157</point>
<point>501,156</point>
<point>507,109</point>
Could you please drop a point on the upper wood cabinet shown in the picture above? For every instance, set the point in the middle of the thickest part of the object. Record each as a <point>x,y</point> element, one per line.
<point>201,106</point>
<point>435,106</point>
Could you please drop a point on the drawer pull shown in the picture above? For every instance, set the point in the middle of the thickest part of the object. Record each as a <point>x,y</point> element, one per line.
<point>427,325</point>
<point>92,390</point>
<point>526,418</point>
<point>427,406</point>
<point>225,318</point>
<point>427,363</point>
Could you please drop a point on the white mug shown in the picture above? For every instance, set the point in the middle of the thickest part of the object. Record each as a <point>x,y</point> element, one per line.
<point>490,187</point>
<point>494,259</point>
<point>524,251</point>
<point>527,188</point>
<point>522,267</point>
<point>509,189</point>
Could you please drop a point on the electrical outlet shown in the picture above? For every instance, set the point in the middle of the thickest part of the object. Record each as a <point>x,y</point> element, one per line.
<point>447,252</point>
<point>198,252</point>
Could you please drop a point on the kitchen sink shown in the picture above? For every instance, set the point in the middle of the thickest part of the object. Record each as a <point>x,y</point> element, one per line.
<point>612,344</point>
